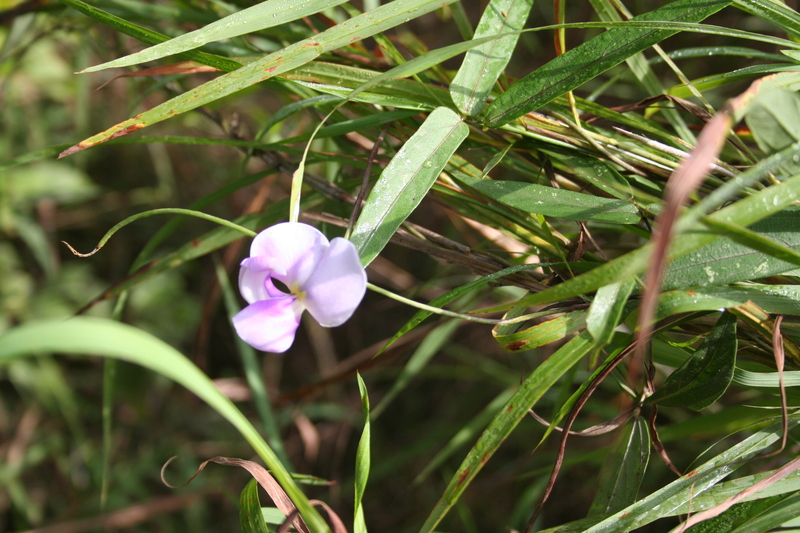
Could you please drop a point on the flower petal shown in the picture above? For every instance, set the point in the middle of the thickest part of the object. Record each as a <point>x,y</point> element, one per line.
<point>269,325</point>
<point>253,279</point>
<point>291,250</point>
<point>337,286</point>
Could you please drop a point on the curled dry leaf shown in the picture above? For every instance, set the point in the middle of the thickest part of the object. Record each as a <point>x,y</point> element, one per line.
<point>594,431</point>
<point>264,478</point>
<point>184,67</point>
<point>336,522</point>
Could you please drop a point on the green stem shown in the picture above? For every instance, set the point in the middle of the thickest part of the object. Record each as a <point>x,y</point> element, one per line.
<point>453,314</point>
<point>162,211</point>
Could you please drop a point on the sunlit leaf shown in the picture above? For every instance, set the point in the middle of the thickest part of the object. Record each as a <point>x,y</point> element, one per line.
<point>584,62</point>
<point>149,36</point>
<point>724,261</point>
<point>607,309</point>
<point>406,180</point>
<point>258,17</point>
<point>774,119</point>
<point>482,65</point>
<point>291,57</point>
<point>362,460</point>
<point>532,198</point>
<point>552,330</point>
<point>531,391</point>
<point>108,338</point>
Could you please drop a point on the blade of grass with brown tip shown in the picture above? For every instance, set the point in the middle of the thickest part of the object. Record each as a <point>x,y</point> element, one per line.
<point>293,56</point>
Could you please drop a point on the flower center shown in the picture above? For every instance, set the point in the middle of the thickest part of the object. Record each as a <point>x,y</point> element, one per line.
<point>300,295</point>
<point>281,286</point>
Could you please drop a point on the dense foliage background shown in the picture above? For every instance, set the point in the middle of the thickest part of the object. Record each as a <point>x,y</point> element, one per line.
<point>480,164</point>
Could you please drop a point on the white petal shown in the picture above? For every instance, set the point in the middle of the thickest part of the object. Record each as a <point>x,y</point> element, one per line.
<point>269,325</point>
<point>253,279</point>
<point>337,286</point>
<point>291,249</point>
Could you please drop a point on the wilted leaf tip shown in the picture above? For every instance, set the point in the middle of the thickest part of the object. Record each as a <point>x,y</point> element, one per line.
<point>88,144</point>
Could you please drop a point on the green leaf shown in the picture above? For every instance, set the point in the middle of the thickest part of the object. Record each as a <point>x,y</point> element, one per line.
<point>642,69</point>
<point>777,299</point>
<point>579,65</point>
<point>483,65</point>
<point>406,180</point>
<point>530,392</point>
<point>744,212</point>
<point>250,510</point>
<point>623,469</point>
<point>606,309</point>
<point>362,461</point>
<point>782,16</point>
<point>725,261</point>
<point>532,198</point>
<point>672,498</point>
<point>756,516</point>
<point>343,81</point>
<point>149,36</point>
<point>703,378</point>
<point>774,119</point>
<point>456,293</point>
<point>291,57</point>
<point>258,17</point>
<point>540,334</point>
<point>107,338</point>
<point>591,170</point>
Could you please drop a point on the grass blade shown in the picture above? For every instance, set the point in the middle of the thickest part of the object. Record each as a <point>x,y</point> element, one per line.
<point>250,510</point>
<point>623,469</point>
<point>362,461</point>
<point>108,338</point>
<point>570,70</point>
<point>258,17</point>
<point>150,36</point>
<point>406,180</point>
<point>291,57</point>
<point>607,308</point>
<point>665,501</point>
<point>775,12</point>
<point>483,65</point>
<point>746,212</point>
<point>549,201</point>
<point>534,387</point>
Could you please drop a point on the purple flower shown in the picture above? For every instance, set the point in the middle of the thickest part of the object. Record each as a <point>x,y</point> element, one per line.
<point>324,277</point>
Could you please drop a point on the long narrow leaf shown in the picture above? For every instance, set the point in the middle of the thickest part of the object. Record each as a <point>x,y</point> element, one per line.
<point>107,338</point>
<point>406,180</point>
<point>531,390</point>
<point>362,460</point>
<point>258,17</point>
<point>745,212</point>
<point>579,65</point>
<point>706,375</point>
<point>483,65</point>
<point>291,57</point>
<point>667,500</point>
<point>150,36</point>
<point>549,201</point>
<point>623,469</point>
